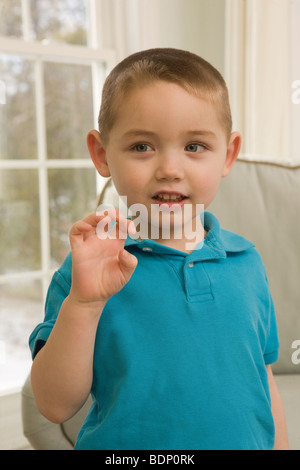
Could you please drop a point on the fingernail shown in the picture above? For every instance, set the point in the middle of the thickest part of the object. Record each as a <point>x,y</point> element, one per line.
<point>131,228</point>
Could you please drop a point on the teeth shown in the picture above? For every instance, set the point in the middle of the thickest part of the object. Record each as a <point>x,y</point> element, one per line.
<point>169,197</point>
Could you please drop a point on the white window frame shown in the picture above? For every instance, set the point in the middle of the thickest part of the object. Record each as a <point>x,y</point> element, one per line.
<point>95,55</point>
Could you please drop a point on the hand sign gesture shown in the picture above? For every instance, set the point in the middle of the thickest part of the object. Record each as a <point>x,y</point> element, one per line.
<point>101,267</point>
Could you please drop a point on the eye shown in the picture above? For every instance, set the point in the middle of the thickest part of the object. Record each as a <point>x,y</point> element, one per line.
<point>195,147</point>
<point>142,148</point>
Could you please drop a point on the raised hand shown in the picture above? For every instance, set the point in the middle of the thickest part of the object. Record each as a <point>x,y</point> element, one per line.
<point>101,265</point>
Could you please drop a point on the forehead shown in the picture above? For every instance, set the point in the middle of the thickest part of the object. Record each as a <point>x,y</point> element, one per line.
<point>155,87</point>
<point>163,104</point>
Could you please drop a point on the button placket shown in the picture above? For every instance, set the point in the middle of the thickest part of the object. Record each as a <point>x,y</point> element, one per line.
<point>197,282</point>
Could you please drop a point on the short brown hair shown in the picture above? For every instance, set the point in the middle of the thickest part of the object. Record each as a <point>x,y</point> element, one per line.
<point>194,74</point>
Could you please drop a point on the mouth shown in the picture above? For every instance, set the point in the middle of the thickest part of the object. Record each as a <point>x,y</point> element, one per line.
<point>169,198</point>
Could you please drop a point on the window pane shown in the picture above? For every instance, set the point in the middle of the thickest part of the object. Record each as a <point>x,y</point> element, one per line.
<point>21,309</point>
<point>19,221</point>
<point>69,109</point>
<point>59,20</point>
<point>17,114</point>
<point>10,18</point>
<point>72,194</point>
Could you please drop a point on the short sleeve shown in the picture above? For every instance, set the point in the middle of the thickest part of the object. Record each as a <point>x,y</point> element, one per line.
<point>59,289</point>
<point>271,353</point>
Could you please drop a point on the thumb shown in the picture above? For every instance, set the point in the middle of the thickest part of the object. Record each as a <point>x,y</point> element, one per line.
<point>128,263</point>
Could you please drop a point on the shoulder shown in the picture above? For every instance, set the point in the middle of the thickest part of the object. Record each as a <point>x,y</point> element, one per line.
<point>59,289</point>
<point>234,243</point>
<point>236,246</point>
<point>229,241</point>
<point>63,275</point>
<point>60,284</point>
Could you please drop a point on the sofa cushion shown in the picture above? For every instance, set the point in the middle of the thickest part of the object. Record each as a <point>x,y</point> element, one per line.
<point>261,201</point>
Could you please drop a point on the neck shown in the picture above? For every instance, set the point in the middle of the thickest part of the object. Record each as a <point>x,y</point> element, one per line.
<point>181,237</point>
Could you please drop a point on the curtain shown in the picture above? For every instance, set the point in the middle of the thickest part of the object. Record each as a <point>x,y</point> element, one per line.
<point>262,70</point>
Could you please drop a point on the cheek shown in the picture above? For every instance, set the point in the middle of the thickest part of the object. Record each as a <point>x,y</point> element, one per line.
<point>208,181</point>
<point>129,184</point>
<point>207,185</point>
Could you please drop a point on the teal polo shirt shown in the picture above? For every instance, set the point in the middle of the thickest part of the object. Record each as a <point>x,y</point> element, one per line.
<point>181,351</point>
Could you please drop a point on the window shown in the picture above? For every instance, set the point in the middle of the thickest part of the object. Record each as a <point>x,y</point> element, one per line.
<point>53,61</point>
<point>263,74</point>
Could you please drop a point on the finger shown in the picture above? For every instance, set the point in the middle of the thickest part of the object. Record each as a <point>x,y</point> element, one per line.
<point>93,219</point>
<point>112,224</point>
<point>78,232</point>
<point>104,227</point>
<point>114,215</point>
<point>80,227</point>
<point>131,227</point>
<point>128,263</point>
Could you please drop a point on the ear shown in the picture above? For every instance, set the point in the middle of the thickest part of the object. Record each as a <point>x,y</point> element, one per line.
<point>233,150</point>
<point>98,153</point>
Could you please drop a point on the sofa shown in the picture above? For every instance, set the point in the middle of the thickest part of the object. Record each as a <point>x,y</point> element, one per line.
<point>261,201</point>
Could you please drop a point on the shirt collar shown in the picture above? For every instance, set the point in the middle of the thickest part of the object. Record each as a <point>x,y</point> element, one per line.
<point>218,242</point>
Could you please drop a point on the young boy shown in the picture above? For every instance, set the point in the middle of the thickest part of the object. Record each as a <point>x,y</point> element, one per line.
<point>174,339</point>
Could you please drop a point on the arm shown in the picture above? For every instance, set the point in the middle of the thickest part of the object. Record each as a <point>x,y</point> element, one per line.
<point>62,371</point>
<point>281,436</point>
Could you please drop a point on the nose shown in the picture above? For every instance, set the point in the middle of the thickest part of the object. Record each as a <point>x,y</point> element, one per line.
<point>169,167</point>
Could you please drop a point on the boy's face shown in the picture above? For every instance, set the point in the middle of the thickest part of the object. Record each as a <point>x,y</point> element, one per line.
<point>167,146</point>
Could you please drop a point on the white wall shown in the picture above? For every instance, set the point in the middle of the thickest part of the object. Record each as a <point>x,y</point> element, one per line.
<point>195,25</point>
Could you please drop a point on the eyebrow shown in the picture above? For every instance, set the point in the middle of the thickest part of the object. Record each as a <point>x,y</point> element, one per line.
<point>141,132</point>
<point>204,133</point>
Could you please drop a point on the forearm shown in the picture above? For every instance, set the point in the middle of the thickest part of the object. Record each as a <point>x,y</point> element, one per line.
<point>62,371</point>
<point>281,435</point>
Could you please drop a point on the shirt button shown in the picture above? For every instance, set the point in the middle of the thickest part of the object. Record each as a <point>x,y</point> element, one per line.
<point>147,248</point>
<point>191,265</point>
